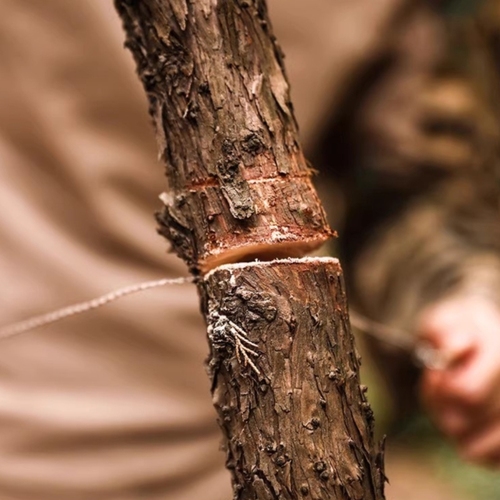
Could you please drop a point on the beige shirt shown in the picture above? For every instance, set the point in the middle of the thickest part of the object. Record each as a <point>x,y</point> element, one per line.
<point>115,404</point>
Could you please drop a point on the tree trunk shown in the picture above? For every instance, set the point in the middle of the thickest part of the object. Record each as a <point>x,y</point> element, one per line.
<point>220,102</point>
<point>285,382</point>
<point>283,365</point>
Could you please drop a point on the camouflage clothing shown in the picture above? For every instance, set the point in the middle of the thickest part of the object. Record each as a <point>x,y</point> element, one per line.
<point>415,150</point>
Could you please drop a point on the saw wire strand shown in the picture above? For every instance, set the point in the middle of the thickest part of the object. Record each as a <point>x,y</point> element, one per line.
<point>390,335</point>
<point>82,307</point>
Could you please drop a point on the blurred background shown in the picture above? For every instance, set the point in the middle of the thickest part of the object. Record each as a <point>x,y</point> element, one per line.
<point>397,102</point>
<point>398,107</point>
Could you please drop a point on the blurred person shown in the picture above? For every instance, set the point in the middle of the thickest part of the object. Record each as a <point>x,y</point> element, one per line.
<point>115,404</point>
<point>464,399</point>
<point>414,146</point>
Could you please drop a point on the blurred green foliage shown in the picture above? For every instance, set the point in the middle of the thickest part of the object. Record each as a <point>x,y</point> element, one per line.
<point>457,8</point>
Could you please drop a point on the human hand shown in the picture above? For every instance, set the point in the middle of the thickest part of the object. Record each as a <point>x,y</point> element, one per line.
<point>463,396</point>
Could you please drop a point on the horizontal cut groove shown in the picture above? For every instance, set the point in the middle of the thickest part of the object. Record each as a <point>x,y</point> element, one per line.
<point>264,252</point>
<point>267,263</point>
<point>214,182</point>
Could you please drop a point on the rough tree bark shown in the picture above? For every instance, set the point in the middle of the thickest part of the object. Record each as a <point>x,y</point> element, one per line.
<point>221,106</point>
<point>296,422</point>
<point>284,370</point>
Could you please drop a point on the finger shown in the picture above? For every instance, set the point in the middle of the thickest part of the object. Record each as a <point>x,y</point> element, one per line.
<point>440,327</point>
<point>454,420</point>
<point>453,423</point>
<point>452,411</point>
<point>431,392</point>
<point>435,391</point>
<point>483,447</point>
<point>448,417</point>
<point>454,346</point>
<point>473,386</point>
